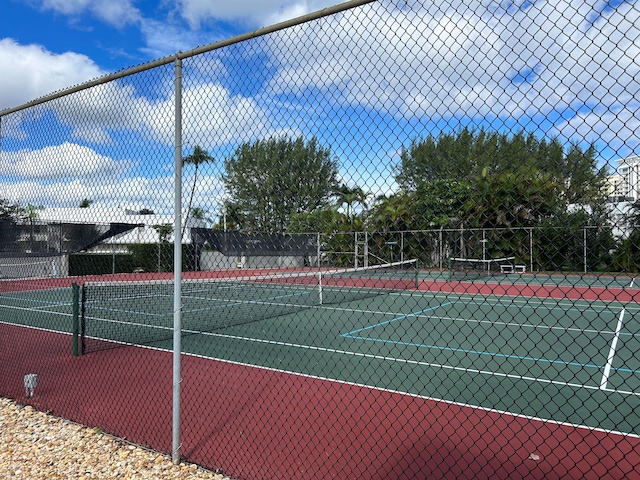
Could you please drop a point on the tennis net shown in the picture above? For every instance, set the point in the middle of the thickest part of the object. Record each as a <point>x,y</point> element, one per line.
<point>141,313</point>
<point>470,268</point>
<point>26,268</point>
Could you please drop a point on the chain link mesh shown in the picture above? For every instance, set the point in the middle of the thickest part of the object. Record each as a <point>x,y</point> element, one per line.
<point>493,145</point>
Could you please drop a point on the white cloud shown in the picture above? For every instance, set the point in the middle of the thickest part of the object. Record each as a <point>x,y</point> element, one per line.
<point>155,193</point>
<point>59,175</point>
<point>465,60</point>
<point>468,60</point>
<point>164,38</point>
<point>255,13</point>
<point>211,113</point>
<point>96,112</point>
<point>147,193</point>
<point>67,160</point>
<point>36,72</point>
<point>617,125</point>
<point>64,175</point>
<point>114,12</point>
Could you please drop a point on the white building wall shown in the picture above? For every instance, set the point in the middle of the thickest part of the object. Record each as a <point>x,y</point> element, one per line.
<point>145,233</point>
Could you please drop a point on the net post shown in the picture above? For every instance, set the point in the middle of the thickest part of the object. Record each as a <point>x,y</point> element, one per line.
<point>76,318</point>
<point>83,319</point>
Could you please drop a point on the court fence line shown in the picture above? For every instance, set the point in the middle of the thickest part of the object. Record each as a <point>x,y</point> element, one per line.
<point>369,133</point>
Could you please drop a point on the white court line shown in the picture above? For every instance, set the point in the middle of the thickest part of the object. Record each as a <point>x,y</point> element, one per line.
<point>612,350</point>
<point>405,361</point>
<point>612,353</point>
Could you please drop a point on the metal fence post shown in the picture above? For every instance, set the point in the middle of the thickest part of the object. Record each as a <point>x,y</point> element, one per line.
<point>177,264</point>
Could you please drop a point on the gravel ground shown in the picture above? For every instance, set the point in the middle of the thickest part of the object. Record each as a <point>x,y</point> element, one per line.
<point>34,445</point>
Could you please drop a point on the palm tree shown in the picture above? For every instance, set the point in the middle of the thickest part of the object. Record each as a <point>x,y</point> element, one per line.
<point>350,196</point>
<point>164,232</point>
<point>393,213</point>
<point>200,214</point>
<point>31,213</point>
<point>198,157</point>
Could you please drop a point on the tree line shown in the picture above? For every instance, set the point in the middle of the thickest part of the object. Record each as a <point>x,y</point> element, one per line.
<point>472,180</point>
<point>469,180</point>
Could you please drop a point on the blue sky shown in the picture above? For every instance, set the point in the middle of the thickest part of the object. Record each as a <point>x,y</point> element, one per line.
<point>49,45</point>
<point>562,68</point>
<point>67,42</point>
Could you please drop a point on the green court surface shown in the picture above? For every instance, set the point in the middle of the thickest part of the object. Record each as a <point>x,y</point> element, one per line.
<point>47,309</point>
<point>538,357</point>
<point>572,361</point>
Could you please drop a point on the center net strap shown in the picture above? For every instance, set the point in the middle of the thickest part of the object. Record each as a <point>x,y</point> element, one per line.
<point>141,312</point>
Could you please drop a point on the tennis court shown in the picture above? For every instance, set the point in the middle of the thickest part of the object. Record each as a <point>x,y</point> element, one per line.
<point>509,353</point>
<point>562,359</point>
<point>485,351</point>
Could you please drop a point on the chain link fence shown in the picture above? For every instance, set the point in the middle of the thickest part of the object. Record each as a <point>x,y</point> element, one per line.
<point>392,239</point>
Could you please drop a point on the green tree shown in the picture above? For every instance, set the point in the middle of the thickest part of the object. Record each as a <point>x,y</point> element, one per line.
<point>230,217</point>
<point>324,220</point>
<point>626,257</point>
<point>506,181</point>
<point>31,214</point>
<point>394,213</point>
<point>271,180</point>
<point>432,159</point>
<point>350,196</point>
<point>164,247</point>
<point>434,205</point>
<point>520,198</point>
<point>475,155</point>
<point>431,205</point>
<point>200,214</point>
<point>575,241</point>
<point>441,203</point>
<point>336,236</point>
<point>9,210</point>
<point>197,158</point>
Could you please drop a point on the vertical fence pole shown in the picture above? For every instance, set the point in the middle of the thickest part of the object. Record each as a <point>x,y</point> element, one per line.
<point>584,247</point>
<point>441,248</point>
<point>177,263</point>
<point>366,249</point>
<point>531,249</point>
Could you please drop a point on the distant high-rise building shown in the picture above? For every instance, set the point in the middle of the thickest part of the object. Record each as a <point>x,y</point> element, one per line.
<point>625,184</point>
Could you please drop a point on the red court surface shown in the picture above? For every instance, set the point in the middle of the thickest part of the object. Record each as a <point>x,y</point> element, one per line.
<point>255,423</point>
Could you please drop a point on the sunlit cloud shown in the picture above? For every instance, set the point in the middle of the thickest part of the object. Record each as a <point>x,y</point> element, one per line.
<point>67,160</point>
<point>113,12</point>
<point>248,12</point>
<point>36,72</point>
<point>476,61</point>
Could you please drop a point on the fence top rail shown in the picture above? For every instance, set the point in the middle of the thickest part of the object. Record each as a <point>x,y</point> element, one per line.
<point>325,12</point>
<point>458,230</point>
